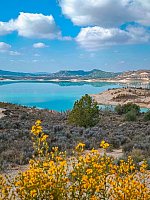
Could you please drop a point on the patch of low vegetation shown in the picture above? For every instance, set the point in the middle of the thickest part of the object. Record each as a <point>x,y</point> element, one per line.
<point>130,111</point>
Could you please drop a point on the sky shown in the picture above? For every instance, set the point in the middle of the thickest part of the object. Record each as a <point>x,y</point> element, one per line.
<point>53,35</point>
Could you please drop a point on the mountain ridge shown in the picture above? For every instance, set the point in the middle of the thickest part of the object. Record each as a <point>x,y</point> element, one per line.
<point>95,73</point>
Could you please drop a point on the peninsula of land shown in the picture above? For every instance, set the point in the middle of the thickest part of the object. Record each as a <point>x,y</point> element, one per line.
<point>122,96</point>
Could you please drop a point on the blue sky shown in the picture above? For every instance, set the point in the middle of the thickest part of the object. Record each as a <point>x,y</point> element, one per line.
<point>51,35</point>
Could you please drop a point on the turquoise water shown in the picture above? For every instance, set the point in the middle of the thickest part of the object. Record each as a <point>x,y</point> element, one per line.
<point>54,96</point>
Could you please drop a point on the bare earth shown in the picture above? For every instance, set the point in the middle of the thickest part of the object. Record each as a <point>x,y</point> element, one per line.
<point>1,112</point>
<point>124,95</point>
<point>13,172</point>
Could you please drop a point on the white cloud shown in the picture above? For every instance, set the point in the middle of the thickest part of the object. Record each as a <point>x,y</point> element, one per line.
<point>4,47</point>
<point>39,45</point>
<point>93,38</point>
<point>143,12</point>
<point>32,26</point>
<point>6,27</point>
<point>106,13</point>
<point>14,53</point>
<point>36,26</point>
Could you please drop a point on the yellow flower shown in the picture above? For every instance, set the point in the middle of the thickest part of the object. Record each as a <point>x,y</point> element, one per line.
<point>104,145</point>
<point>94,151</point>
<point>80,147</point>
<point>44,137</point>
<point>36,129</point>
<point>89,171</point>
<point>33,193</point>
<point>38,122</point>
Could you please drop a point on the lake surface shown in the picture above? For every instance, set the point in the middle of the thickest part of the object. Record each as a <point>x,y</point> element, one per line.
<point>58,96</point>
<point>55,96</point>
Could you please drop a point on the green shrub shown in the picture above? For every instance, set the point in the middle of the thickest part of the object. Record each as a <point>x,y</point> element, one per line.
<point>85,112</point>
<point>131,115</point>
<point>130,107</point>
<point>126,108</point>
<point>147,116</point>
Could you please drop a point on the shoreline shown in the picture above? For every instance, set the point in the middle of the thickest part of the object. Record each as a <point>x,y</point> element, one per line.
<point>82,80</point>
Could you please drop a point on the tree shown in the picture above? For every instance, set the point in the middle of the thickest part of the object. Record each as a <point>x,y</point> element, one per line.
<point>85,112</point>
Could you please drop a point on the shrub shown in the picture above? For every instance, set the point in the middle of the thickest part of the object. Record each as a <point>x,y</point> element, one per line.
<point>131,106</point>
<point>126,108</point>
<point>85,112</point>
<point>147,116</point>
<point>137,155</point>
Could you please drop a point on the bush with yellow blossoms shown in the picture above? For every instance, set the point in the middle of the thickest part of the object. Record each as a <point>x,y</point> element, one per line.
<point>85,176</point>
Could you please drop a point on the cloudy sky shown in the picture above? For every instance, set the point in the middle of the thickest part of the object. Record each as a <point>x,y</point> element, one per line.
<point>52,35</point>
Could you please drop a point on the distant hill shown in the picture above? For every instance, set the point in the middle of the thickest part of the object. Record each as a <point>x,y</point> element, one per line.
<point>66,73</point>
<point>95,73</point>
<point>102,74</point>
<point>20,74</point>
<point>9,73</point>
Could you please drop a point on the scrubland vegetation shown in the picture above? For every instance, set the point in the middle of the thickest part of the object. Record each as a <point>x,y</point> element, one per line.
<point>85,176</point>
<point>16,145</point>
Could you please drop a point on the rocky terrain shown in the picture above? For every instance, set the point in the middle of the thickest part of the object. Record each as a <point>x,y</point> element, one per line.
<point>122,96</point>
<point>15,137</point>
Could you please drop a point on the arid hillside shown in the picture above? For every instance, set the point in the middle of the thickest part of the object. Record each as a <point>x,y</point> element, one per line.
<point>138,75</point>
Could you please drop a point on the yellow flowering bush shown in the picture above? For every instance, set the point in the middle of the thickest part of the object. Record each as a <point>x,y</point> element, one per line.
<point>5,188</point>
<point>85,176</point>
